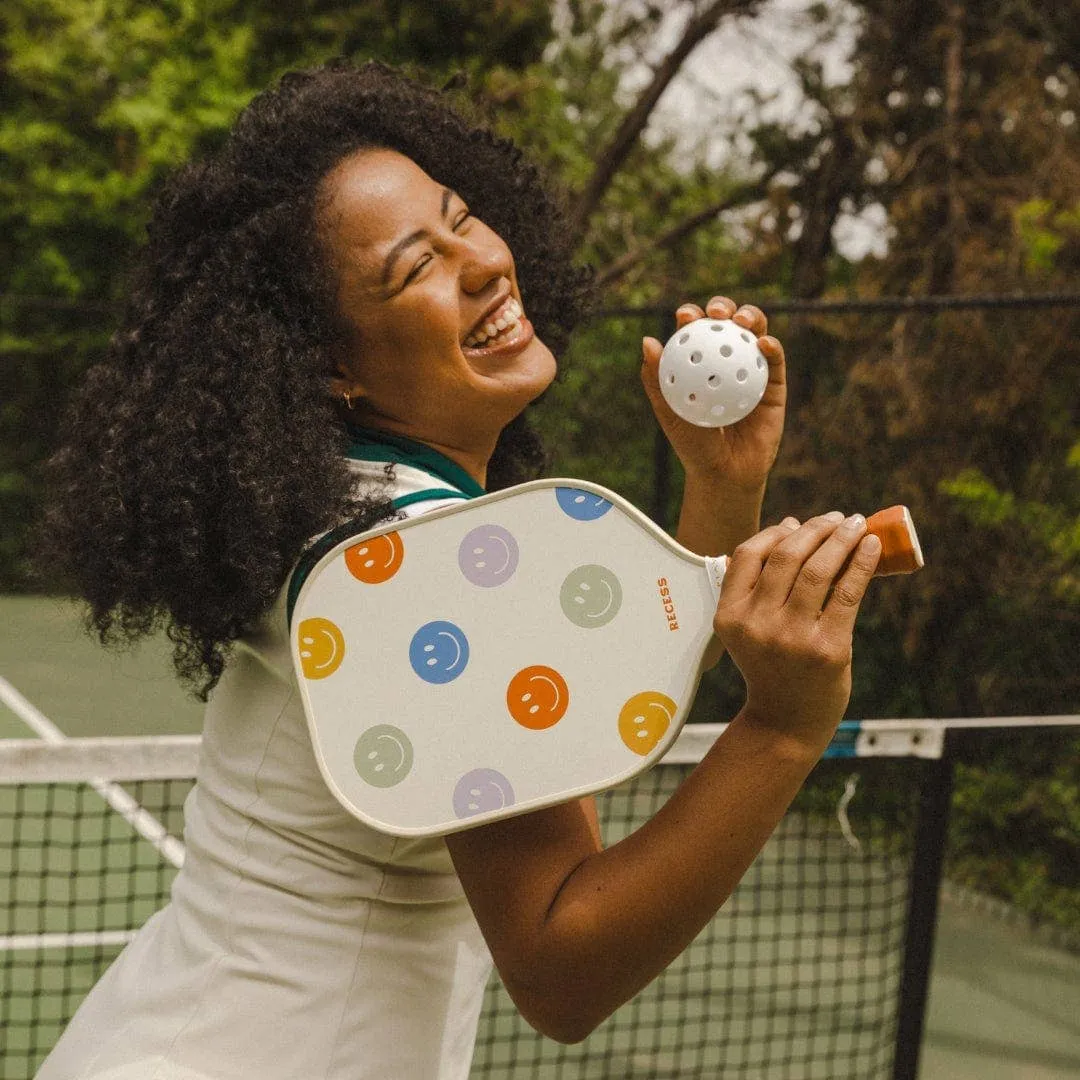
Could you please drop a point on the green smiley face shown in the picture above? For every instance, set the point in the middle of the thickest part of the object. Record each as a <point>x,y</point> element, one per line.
<point>590,596</point>
<point>383,756</point>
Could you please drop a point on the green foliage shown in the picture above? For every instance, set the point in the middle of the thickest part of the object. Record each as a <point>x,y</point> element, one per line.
<point>1041,243</point>
<point>1053,529</point>
<point>1015,830</point>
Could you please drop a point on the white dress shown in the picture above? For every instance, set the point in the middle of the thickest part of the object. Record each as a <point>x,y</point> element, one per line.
<point>299,944</point>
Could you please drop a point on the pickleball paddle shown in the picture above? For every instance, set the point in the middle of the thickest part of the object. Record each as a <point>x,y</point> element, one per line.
<point>511,652</point>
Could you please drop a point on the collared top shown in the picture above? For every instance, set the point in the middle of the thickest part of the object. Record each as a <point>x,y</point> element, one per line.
<point>369,445</point>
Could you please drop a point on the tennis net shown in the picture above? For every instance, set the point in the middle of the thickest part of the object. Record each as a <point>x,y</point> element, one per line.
<point>799,975</point>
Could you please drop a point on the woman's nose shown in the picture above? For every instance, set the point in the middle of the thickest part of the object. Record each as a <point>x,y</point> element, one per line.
<point>484,262</point>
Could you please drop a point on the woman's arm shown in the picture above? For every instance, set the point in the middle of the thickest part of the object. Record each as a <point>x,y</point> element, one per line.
<point>575,931</point>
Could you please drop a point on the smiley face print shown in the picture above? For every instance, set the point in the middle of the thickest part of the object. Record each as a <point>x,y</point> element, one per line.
<point>376,560</point>
<point>537,697</point>
<point>590,596</point>
<point>580,504</point>
<point>644,720</point>
<point>383,756</point>
<point>439,652</point>
<point>321,646</point>
<point>481,791</point>
<point>488,555</point>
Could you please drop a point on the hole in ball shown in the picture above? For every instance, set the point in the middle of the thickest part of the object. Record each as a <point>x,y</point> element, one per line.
<point>671,379</point>
<point>683,338</point>
<point>742,374</point>
<point>716,326</point>
<point>760,362</point>
<point>695,357</point>
<point>746,337</point>
<point>713,380</point>
<point>692,397</point>
<point>725,350</point>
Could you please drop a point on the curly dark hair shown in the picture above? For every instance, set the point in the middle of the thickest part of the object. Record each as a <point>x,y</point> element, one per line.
<point>205,451</point>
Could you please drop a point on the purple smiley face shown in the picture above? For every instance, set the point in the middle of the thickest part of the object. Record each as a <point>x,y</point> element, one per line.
<point>481,791</point>
<point>488,555</point>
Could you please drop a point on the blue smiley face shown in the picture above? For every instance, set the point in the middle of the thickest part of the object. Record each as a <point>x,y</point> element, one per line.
<point>439,652</point>
<point>581,505</point>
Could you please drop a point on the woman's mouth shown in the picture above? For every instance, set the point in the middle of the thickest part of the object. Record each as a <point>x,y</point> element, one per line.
<point>505,331</point>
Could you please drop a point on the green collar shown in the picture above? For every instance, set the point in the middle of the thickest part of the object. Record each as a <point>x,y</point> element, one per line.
<point>368,444</point>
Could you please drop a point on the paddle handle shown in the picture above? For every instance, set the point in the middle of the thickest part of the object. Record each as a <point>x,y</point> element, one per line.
<point>901,552</point>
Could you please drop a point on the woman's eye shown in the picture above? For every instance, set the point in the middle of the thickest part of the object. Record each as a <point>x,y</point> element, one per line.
<point>461,219</point>
<point>424,260</point>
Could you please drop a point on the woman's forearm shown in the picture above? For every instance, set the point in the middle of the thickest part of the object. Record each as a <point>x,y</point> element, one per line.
<point>716,517</point>
<point>625,913</point>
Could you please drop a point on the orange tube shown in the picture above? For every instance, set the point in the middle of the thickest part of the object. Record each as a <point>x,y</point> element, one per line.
<point>901,552</point>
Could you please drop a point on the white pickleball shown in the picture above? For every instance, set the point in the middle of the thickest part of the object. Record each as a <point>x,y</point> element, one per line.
<point>712,372</point>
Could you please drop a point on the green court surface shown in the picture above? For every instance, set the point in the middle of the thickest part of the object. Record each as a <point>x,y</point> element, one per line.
<point>50,659</point>
<point>1003,1006</point>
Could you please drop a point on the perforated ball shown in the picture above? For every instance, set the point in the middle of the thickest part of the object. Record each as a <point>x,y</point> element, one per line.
<point>712,372</point>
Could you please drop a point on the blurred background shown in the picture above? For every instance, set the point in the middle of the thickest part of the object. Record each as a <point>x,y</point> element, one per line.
<point>895,182</point>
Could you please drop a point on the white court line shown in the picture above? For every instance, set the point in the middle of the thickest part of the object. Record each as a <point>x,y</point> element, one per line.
<point>77,939</point>
<point>142,821</point>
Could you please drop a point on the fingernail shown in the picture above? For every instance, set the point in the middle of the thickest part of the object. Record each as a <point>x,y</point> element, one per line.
<point>834,516</point>
<point>855,523</point>
<point>790,522</point>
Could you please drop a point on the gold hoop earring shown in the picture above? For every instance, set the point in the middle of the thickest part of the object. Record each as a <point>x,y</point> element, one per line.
<point>348,399</point>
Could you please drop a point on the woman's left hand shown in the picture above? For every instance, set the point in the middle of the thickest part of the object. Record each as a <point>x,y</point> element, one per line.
<point>741,454</point>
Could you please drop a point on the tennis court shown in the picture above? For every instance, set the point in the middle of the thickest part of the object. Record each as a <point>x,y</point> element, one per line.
<point>801,975</point>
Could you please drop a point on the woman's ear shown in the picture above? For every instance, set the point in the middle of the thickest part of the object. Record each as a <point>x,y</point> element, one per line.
<point>345,385</point>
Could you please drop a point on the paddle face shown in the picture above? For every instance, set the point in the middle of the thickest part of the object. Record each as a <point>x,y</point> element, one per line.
<point>491,658</point>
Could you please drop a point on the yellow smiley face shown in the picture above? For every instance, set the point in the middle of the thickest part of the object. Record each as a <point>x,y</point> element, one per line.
<point>644,720</point>
<point>321,645</point>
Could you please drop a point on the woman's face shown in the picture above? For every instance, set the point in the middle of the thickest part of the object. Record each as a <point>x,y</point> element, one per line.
<point>440,349</point>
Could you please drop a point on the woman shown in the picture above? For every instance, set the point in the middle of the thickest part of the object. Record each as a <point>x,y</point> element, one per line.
<point>341,315</point>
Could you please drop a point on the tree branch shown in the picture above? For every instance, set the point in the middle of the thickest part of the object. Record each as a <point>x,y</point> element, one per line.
<point>741,196</point>
<point>633,123</point>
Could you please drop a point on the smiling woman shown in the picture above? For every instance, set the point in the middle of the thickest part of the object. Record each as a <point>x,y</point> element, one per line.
<point>340,316</point>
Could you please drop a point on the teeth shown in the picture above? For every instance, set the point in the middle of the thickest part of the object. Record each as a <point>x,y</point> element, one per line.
<point>506,318</point>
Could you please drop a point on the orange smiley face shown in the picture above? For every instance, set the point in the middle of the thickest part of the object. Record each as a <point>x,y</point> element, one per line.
<point>644,720</point>
<point>537,697</point>
<point>376,560</point>
<point>322,648</point>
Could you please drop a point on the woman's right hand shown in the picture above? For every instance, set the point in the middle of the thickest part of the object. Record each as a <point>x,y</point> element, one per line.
<point>786,614</point>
